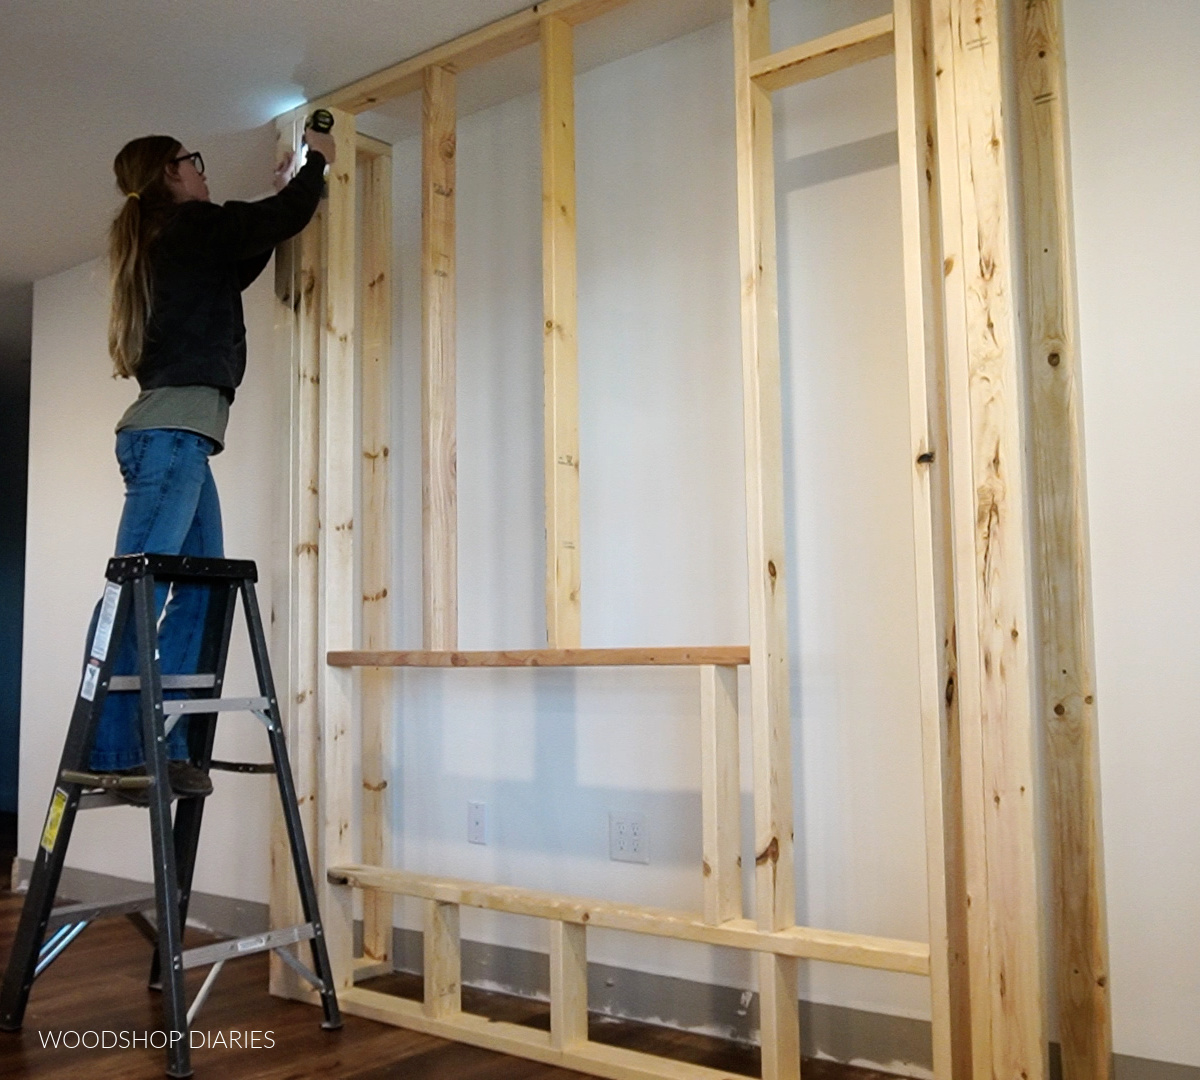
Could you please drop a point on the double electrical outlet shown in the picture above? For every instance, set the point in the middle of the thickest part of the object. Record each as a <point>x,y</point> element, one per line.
<point>627,837</point>
<point>627,841</point>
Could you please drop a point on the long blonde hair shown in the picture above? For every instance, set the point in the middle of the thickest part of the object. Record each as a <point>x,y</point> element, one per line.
<point>141,177</point>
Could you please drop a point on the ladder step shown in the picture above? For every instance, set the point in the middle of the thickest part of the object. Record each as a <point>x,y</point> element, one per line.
<point>211,705</point>
<point>247,946</point>
<point>86,912</point>
<point>169,682</point>
<point>98,800</point>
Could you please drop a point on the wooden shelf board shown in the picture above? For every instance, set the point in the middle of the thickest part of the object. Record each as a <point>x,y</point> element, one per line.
<point>715,656</point>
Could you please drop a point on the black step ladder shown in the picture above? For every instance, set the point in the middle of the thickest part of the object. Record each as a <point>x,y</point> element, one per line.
<point>45,931</point>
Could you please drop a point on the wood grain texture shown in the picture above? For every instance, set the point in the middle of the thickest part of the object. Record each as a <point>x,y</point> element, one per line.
<point>824,55</point>
<point>339,466</point>
<point>990,519</point>
<point>439,430</point>
<point>560,310</point>
<point>442,943</point>
<point>664,657</point>
<point>295,641</point>
<point>568,985</point>
<point>720,794</point>
<point>930,462</point>
<point>770,702</point>
<point>801,942</point>
<point>100,984</point>
<point>375,570</point>
<point>1066,660</point>
<point>763,424</point>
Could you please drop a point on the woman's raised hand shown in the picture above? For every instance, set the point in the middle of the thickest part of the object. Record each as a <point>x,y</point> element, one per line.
<point>322,142</point>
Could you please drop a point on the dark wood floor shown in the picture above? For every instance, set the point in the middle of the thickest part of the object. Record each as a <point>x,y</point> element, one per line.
<point>99,984</point>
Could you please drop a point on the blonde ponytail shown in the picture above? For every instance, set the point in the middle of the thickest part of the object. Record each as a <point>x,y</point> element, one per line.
<point>140,168</point>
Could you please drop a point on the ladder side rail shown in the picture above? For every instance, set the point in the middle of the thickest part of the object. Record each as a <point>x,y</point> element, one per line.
<point>48,864</point>
<point>291,812</point>
<point>202,731</point>
<point>166,888</point>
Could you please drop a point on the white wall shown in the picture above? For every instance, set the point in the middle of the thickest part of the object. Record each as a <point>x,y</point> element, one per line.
<point>75,497</point>
<point>1134,88</point>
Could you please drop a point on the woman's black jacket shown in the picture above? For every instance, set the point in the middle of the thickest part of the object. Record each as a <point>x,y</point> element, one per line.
<point>207,254</point>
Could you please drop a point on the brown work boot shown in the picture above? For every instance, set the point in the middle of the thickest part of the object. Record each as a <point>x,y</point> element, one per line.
<point>187,781</point>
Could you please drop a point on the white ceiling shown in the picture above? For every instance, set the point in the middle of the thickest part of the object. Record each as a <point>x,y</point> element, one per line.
<point>78,78</point>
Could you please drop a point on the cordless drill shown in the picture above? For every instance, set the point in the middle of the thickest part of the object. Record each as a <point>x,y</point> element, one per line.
<point>322,121</point>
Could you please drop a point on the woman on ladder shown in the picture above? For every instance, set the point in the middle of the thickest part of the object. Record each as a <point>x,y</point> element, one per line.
<point>179,264</point>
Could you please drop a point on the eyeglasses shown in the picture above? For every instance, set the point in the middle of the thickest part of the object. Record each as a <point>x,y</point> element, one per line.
<point>195,158</point>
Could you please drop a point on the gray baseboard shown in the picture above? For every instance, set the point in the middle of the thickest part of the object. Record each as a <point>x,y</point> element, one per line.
<point>890,1043</point>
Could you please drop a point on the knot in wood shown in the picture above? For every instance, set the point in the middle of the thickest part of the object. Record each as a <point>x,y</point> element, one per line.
<point>770,855</point>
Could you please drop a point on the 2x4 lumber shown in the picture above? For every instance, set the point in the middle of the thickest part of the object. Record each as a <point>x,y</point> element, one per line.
<point>796,942</point>
<point>720,794</point>
<point>779,1025</point>
<point>439,459</point>
<point>824,55</point>
<point>568,985</point>
<point>560,310</point>
<point>300,319</point>
<point>470,50</point>
<point>339,465</point>
<point>443,959</point>
<point>994,625</point>
<point>721,655</point>
<point>520,1041</point>
<point>371,147</point>
<point>770,709</point>
<point>930,462</point>
<point>375,165</point>
<point>770,705</point>
<point>1066,660</point>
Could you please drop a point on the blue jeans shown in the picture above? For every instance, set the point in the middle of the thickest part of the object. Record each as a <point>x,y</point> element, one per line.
<point>171,508</point>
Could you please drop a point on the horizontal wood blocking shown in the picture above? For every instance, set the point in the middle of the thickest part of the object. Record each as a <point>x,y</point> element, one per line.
<point>595,1059</point>
<point>370,146</point>
<point>802,942</point>
<point>825,55</point>
<point>719,655</point>
<point>471,50</point>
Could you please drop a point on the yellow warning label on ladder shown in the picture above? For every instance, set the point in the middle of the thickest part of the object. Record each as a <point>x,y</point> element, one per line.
<point>53,819</point>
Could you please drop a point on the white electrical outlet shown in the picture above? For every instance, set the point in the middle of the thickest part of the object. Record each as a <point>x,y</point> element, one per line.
<point>476,823</point>
<point>627,840</point>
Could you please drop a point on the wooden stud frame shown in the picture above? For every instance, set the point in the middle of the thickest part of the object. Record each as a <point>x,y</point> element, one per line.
<point>374,162</point>
<point>299,288</point>
<point>439,456</point>
<point>962,277</point>
<point>1066,699</point>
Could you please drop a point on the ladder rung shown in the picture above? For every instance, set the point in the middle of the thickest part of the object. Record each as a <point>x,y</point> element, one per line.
<point>105,780</point>
<point>74,913</point>
<point>242,766</point>
<point>169,682</point>
<point>211,705</point>
<point>247,946</point>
